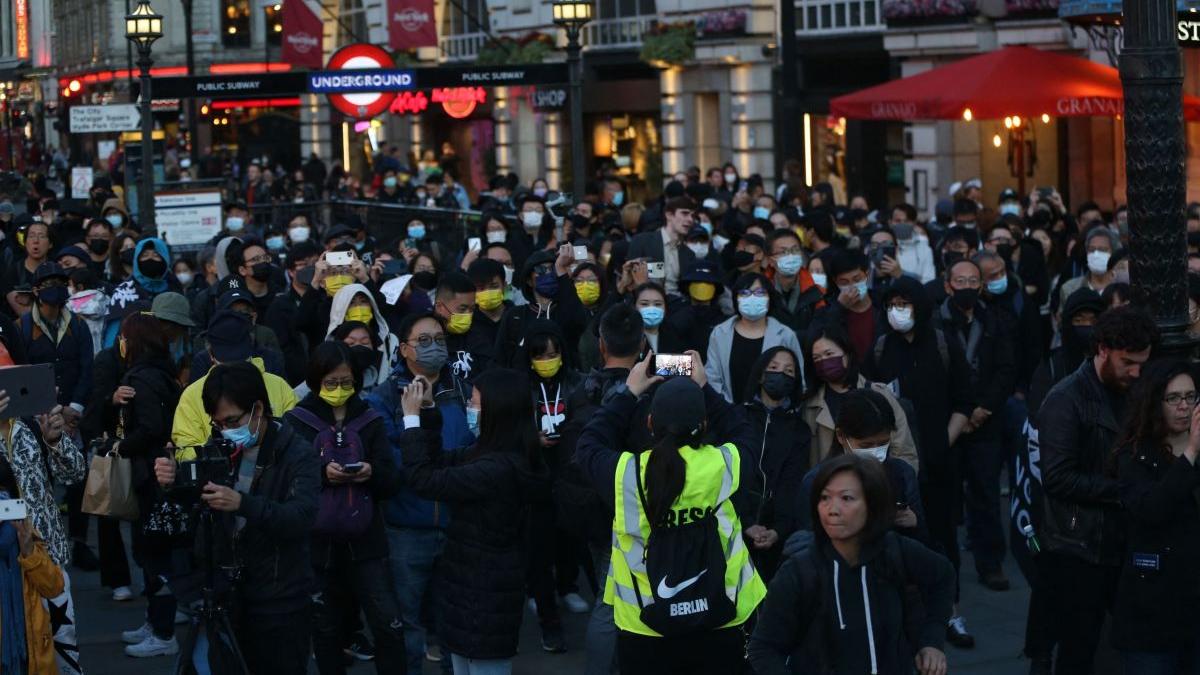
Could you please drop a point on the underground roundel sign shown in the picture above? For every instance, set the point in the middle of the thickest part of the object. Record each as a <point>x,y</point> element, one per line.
<point>361,56</point>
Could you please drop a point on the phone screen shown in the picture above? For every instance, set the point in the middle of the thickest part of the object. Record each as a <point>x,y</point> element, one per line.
<point>673,365</point>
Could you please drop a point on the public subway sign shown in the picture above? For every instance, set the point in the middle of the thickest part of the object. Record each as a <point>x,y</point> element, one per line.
<point>230,86</point>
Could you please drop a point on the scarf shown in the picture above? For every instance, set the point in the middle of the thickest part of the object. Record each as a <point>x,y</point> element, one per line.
<point>13,658</point>
<point>58,330</point>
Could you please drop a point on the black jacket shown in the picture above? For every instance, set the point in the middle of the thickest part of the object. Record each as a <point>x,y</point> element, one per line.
<point>282,318</point>
<point>100,415</point>
<point>565,310</point>
<point>780,454</point>
<point>910,590</point>
<point>1158,596</point>
<point>1019,311</point>
<point>71,356</point>
<point>1077,430</point>
<point>148,416</point>
<point>990,363</point>
<point>384,482</point>
<point>693,324</point>
<point>480,577</point>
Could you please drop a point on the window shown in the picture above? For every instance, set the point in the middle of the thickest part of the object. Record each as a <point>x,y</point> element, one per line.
<point>273,15</point>
<point>838,16</point>
<point>466,16</point>
<point>352,26</point>
<point>617,9</point>
<point>235,23</point>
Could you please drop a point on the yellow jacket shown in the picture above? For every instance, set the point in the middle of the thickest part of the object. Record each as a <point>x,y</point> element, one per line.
<point>41,578</point>
<point>192,426</point>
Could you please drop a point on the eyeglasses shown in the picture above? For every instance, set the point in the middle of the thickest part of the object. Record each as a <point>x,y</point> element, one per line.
<point>426,340</point>
<point>899,304</point>
<point>344,383</point>
<point>1175,399</point>
<point>756,292</point>
<point>261,258</point>
<point>230,422</point>
<point>794,250</point>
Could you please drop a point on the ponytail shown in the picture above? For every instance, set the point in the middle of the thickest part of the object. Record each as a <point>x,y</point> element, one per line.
<point>666,472</point>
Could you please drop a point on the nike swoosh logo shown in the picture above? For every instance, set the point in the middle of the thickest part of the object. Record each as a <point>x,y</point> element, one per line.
<point>667,592</point>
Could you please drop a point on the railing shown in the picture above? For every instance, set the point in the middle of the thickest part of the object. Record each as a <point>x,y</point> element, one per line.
<point>621,33</point>
<point>838,16</point>
<point>463,47</point>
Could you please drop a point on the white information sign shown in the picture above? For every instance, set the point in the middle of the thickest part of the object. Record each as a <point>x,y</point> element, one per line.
<point>187,218</point>
<point>99,119</point>
<point>81,180</point>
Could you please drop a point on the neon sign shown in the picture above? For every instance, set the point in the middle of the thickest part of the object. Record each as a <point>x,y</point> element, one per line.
<point>409,103</point>
<point>21,14</point>
<point>459,102</point>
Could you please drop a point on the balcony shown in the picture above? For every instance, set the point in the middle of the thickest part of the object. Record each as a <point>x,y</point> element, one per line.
<point>619,33</point>
<point>831,17</point>
<point>461,48</point>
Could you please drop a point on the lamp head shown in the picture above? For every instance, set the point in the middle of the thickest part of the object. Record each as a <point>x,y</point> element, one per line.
<point>572,14</point>
<point>144,25</point>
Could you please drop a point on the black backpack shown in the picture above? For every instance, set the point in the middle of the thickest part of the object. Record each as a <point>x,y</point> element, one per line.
<point>686,568</point>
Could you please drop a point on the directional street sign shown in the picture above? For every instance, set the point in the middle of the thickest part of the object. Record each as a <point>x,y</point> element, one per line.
<point>100,119</point>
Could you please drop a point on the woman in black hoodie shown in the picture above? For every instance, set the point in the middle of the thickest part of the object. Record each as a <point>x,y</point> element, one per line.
<point>780,452</point>
<point>350,555</point>
<point>848,604</point>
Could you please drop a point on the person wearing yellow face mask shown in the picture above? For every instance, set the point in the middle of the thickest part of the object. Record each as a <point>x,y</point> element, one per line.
<point>587,286</point>
<point>355,304</point>
<point>359,470</point>
<point>454,303</point>
<point>701,285</point>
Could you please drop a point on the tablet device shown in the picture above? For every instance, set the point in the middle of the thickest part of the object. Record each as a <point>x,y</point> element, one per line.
<point>30,389</point>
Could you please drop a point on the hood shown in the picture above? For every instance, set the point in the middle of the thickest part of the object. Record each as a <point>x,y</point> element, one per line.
<point>1083,299</point>
<point>910,289</point>
<point>152,285</point>
<point>115,203</point>
<point>539,258</point>
<point>337,314</point>
<point>219,256</point>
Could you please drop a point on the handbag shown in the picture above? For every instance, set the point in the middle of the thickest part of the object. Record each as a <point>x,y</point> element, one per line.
<point>109,488</point>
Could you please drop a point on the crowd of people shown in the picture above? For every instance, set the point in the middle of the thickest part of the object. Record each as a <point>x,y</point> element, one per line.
<point>351,441</point>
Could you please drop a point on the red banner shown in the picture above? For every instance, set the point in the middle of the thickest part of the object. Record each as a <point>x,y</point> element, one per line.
<point>411,24</point>
<point>301,35</point>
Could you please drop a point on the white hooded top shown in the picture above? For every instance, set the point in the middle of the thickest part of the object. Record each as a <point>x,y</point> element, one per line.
<point>389,343</point>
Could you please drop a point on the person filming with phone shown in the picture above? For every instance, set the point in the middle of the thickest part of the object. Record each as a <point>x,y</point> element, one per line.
<point>681,582</point>
<point>265,503</point>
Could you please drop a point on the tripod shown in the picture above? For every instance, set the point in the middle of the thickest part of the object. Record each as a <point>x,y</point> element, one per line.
<point>211,625</point>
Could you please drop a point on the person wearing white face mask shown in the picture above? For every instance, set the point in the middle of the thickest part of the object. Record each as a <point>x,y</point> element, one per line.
<point>299,230</point>
<point>799,294</point>
<point>1099,246</point>
<point>736,343</point>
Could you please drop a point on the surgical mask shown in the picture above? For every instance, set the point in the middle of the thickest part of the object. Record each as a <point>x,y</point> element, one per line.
<point>458,324</point>
<point>185,278</point>
<point>998,286</point>
<point>337,282</point>
<point>547,368</point>
<point>298,234</point>
<point>702,291</point>
<point>546,285</point>
<point>336,398</point>
<point>489,299</point>
<point>860,288</point>
<point>652,316</point>
<point>420,195</point>
<point>416,231</point>
<point>430,358</point>
<point>762,212</point>
<point>877,453</point>
<point>711,204</point>
<point>473,420</point>
<point>496,236</point>
<point>54,296</point>
<point>241,436</point>
<point>508,275</point>
<point>903,232</point>
<point>707,226</point>
<point>789,264</point>
<point>532,220</point>
<point>588,292</point>
<point>390,182</point>
<point>819,279</point>
<point>540,192</point>
<point>361,314</point>
<point>700,250</point>
<point>900,319</point>
<point>753,307</point>
<point>731,178</point>
<point>1010,209</point>
<point>618,199</point>
<point>832,369</point>
<point>276,243</point>
<point>115,219</point>
<point>359,245</point>
<point>1097,262</point>
<point>720,242</point>
<point>778,385</point>
<point>235,223</point>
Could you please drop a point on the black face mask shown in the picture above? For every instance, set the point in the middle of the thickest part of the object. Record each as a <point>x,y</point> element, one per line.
<point>363,357</point>
<point>1083,336</point>
<point>778,385</point>
<point>949,258</point>
<point>742,258</point>
<point>98,246</point>
<point>126,256</point>
<point>425,280</point>
<point>154,269</point>
<point>53,296</point>
<point>262,271</point>
<point>965,298</point>
<point>1005,251</point>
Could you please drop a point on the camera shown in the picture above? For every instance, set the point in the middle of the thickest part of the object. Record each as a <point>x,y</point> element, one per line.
<point>213,464</point>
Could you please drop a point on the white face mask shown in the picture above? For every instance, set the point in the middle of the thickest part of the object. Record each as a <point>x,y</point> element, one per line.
<point>531,219</point>
<point>720,242</point>
<point>900,318</point>
<point>508,275</point>
<point>298,234</point>
<point>730,178</point>
<point>234,224</point>
<point>877,453</point>
<point>820,279</point>
<point>184,278</point>
<point>496,236</point>
<point>1097,261</point>
<point>700,250</point>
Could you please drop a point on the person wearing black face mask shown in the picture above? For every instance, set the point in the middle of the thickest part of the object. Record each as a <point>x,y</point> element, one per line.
<point>98,238</point>
<point>987,340</point>
<point>780,451</point>
<point>1078,316</point>
<point>257,272</point>
<point>953,248</point>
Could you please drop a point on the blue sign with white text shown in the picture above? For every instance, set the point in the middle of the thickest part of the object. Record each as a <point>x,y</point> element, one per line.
<point>359,81</point>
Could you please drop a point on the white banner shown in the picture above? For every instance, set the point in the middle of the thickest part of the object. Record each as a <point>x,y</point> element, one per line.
<point>187,218</point>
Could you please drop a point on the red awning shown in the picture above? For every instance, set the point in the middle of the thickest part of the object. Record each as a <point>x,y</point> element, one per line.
<point>1011,81</point>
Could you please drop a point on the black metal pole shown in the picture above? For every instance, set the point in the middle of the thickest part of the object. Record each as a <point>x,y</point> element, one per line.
<point>193,124</point>
<point>128,59</point>
<point>1155,169</point>
<point>146,189</point>
<point>789,80</point>
<point>575,68</point>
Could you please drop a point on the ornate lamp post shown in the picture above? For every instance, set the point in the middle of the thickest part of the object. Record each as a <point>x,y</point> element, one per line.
<point>142,28</point>
<point>572,15</point>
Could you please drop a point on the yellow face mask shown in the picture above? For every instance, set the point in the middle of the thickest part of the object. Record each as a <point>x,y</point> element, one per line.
<point>459,323</point>
<point>588,292</point>
<point>702,291</point>
<point>362,314</point>
<point>547,368</point>
<point>844,231</point>
<point>489,299</point>
<point>337,282</point>
<point>800,232</point>
<point>336,397</point>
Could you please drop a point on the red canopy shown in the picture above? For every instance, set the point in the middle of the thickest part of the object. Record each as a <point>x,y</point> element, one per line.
<point>1010,81</point>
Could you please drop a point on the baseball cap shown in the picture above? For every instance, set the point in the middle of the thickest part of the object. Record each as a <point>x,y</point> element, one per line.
<point>234,295</point>
<point>172,307</point>
<point>1009,195</point>
<point>229,336</point>
<point>49,270</point>
<point>701,270</point>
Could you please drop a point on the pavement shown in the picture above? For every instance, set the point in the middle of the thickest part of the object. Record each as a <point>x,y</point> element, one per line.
<point>996,619</point>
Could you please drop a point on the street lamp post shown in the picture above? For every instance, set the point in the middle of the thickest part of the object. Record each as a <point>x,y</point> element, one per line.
<point>572,15</point>
<point>142,28</point>
<point>1156,178</point>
